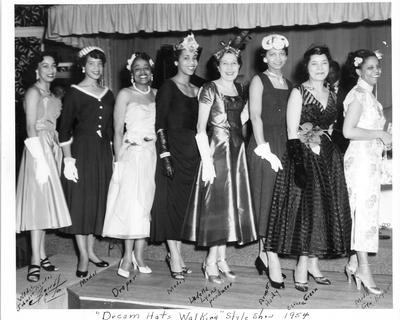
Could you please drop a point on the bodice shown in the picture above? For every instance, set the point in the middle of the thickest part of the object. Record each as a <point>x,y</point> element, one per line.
<point>48,110</point>
<point>140,122</point>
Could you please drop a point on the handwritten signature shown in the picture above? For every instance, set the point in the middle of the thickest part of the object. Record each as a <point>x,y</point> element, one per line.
<point>35,294</point>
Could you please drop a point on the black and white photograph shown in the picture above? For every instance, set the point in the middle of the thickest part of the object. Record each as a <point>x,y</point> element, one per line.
<point>199,161</point>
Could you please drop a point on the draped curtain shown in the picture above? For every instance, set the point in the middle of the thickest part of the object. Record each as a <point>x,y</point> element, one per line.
<point>122,29</point>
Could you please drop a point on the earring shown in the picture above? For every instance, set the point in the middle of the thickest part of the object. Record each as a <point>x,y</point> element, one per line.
<point>265,60</point>
<point>151,78</point>
<point>83,70</point>
<point>176,63</point>
<point>37,74</point>
<point>132,79</point>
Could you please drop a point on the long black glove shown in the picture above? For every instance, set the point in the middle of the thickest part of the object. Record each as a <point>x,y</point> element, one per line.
<point>167,168</point>
<point>296,154</point>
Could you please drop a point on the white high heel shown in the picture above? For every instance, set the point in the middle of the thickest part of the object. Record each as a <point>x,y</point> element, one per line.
<point>121,272</point>
<point>145,269</point>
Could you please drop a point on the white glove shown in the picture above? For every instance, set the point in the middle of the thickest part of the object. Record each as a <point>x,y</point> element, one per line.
<point>116,177</point>
<point>70,170</point>
<point>36,150</point>
<point>264,151</point>
<point>208,173</point>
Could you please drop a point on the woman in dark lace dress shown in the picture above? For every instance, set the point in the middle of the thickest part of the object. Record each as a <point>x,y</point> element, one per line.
<point>310,213</point>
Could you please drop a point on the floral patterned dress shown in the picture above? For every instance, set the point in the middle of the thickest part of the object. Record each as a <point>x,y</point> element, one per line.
<point>362,163</point>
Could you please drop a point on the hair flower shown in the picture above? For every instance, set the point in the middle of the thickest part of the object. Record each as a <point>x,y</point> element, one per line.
<point>311,136</point>
<point>378,54</point>
<point>189,43</point>
<point>130,61</point>
<point>357,61</point>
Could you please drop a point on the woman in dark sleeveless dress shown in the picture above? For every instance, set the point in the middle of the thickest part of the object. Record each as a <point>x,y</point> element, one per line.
<point>85,135</point>
<point>310,213</point>
<point>220,208</point>
<point>269,92</point>
<point>176,117</point>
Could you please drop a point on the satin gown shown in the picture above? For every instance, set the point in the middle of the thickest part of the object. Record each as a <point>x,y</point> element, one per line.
<point>130,199</point>
<point>223,211</point>
<point>87,120</point>
<point>362,163</point>
<point>315,220</point>
<point>40,207</point>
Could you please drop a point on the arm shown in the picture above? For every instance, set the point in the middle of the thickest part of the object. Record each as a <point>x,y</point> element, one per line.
<point>31,100</point>
<point>293,114</point>
<point>206,99</point>
<point>163,100</point>
<point>294,148</point>
<point>65,134</point>
<point>255,99</point>
<point>351,131</point>
<point>119,120</point>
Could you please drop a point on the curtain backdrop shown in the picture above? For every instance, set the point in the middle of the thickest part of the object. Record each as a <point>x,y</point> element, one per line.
<point>77,20</point>
<point>341,39</point>
<point>122,29</point>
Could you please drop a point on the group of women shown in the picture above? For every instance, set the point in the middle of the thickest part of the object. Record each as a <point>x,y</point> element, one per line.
<point>183,171</point>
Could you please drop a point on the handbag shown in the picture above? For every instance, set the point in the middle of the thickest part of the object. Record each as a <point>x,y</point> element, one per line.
<point>386,168</point>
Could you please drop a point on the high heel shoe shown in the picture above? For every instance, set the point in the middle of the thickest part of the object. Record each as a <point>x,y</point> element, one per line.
<point>121,272</point>
<point>81,274</point>
<point>46,265</point>
<point>178,275</point>
<point>320,280</point>
<point>349,272</point>
<point>33,273</point>
<point>210,277</point>
<point>260,266</point>
<point>145,269</point>
<point>369,290</point>
<point>301,286</point>
<point>101,264</point>
<point>226,274</point>
<point>185,269</point>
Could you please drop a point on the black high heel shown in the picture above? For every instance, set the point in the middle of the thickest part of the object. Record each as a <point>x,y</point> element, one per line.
<point>81,274</point>
<point>33,273</point>
<point>185,269</point>
<point>261,267</point>
<point>101,264</point>
<point>320,280</point>
<point>46,265</point>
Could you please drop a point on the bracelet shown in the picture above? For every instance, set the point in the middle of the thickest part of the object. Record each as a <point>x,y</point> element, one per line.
<point>165,154</point>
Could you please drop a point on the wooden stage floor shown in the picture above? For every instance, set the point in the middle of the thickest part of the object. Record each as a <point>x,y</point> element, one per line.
<point>106,290</point>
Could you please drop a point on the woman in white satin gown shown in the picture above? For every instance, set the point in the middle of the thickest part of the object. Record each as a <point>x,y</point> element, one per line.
<point>132,187</point>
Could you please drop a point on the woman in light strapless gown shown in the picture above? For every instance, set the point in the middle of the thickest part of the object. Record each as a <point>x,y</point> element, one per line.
<point>132,188</point>
<point>40,202</point>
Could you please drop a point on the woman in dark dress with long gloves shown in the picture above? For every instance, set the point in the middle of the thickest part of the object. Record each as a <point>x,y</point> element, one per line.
<point>85,135</point>
<point>220,210</point>
<point>269,92</point>
<point>176,117</point>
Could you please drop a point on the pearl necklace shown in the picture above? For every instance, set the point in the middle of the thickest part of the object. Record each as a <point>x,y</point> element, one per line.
<point>281,80</point>
<point>141,91</point>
